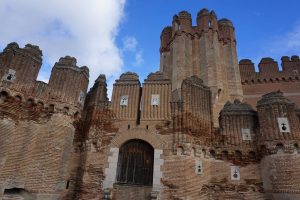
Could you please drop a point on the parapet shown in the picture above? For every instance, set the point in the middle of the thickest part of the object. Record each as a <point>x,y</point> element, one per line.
<point>20,65</point>
<point>157,77</point>
<point>273,98</point>
<point>101,78</point>
<point>202,12</point>
<point>29,49</point>
<point>225,22</point>
<point>226,31</point>
<point>97,96</point>
<point>11,46</point>
<point>185,15</point>
<point>269,70</point>
<point>196,81</point>
<point>69,62</point>
<point>206,21</point>
<point>237,108</point>
<point>34,50</point>
<point>165,39</point>
<point>128,78</point>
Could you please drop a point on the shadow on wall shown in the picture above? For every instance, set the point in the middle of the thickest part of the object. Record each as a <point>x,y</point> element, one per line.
<point>18,193</point>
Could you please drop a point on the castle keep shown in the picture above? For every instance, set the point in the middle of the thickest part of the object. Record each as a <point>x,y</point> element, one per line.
<point>204,126</point>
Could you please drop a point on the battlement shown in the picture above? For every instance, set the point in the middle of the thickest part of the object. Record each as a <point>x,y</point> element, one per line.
<point>206,21</point>
<point>69,62</point>
<point>19,68</point>
<point>269,70</point>
<point>29,50</point>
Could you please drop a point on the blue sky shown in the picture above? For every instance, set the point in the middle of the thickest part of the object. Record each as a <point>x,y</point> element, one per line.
<point>261,26</point>
<point>114,36</point>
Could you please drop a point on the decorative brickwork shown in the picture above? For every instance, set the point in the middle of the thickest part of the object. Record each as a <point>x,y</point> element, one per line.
<point>185,132</point>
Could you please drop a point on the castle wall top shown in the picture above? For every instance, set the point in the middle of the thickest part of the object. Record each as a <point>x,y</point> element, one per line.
<point>206,20</point>
<point>69,62</point>
<point>19,68</point>
<point>269,70</point>
<point>29,49</point>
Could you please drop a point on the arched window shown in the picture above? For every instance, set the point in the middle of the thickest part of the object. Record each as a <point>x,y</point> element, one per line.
<point>135,164</point>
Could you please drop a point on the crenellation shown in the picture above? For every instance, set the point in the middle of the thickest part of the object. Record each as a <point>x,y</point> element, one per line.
<point>68,79</point>
<point>20,65</point>
<point>203,127</point>
<point>185,22</point>
<point>226,31</point>
<point>205,52</point>
<point>270,77</point>
<point>268,69</point>
<point>165,39</point>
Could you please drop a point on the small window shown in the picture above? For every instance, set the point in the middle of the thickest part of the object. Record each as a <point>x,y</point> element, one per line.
<point>30,102</point>
<point>3,96</point>
<point>224,155</point>
<point>51,108</point>
<point>66,110</point>
<point>18,98</point>
<point>68,185</point>
<point>295,72</point>
<point>13,191</point>
<point>179,151</point>
<point>124,100</point>
<point>155,99</point>
<point>212,153</point>
<point>279,148</point>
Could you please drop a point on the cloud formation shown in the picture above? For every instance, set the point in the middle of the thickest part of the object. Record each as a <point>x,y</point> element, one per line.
<point>130,45</point>
<point>285,44</point>
<point>83,29</point>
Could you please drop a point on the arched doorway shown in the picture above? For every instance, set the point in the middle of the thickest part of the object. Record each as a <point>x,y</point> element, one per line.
<point>135,163</point>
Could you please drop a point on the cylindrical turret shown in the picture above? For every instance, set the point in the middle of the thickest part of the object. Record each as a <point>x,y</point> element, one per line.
<point>226,31</point>
<point>227,37</point>
<point>68,80</point>
<point>185,21</point>
<point>175,25</point>
<point>278,118</point>
<point>206,20</point>
<point>165,38</point>
<point>20,65</point>
<point>97,96</point>
<point>238,124</point>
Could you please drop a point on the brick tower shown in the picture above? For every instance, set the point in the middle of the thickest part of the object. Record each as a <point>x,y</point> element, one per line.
<point>207,50</point>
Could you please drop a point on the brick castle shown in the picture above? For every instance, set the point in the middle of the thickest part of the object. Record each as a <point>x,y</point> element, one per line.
<point>204,126</point>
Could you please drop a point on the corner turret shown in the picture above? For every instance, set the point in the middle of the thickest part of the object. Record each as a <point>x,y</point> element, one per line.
<point>185,21</point>
<point>226,31</point>
<point>165,38</point>
<point>238,124</point>
<point>70,80</point>
<point>98,93</point>
<point>20,65</point>
<point>207,20</point>
<point>277,113</point>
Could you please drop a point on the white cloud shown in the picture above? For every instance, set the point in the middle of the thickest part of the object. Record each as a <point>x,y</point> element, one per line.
<point>138,58</point>
<point>285,44</point>
<point>129,43</point>
<point>83,29</point>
